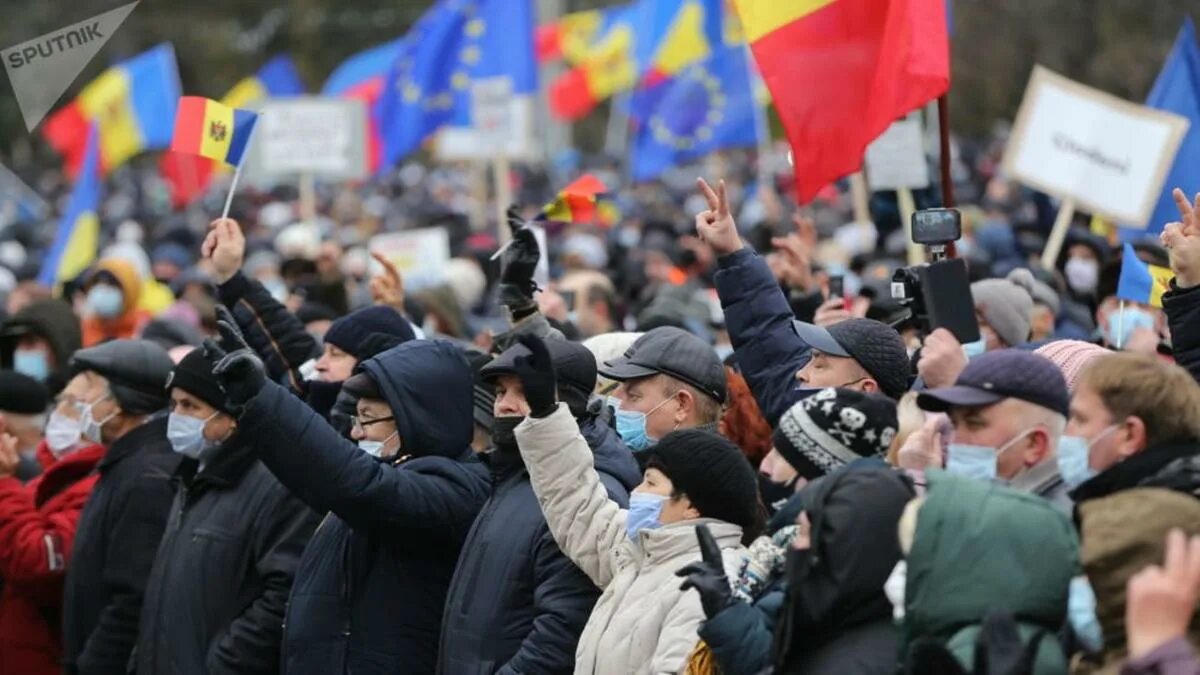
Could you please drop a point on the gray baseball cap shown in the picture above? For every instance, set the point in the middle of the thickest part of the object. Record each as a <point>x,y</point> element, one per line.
<point>673,352</point>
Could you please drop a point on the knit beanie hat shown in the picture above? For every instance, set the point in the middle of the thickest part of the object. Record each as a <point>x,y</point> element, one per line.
<point>712,472</point>
<point>834,427</point>
<point>1040,291</point>
<point>1006,307</point>
<point>1070,356</point>
<point>350,332</point>
<point>194,375</point>
<point>21,394</point>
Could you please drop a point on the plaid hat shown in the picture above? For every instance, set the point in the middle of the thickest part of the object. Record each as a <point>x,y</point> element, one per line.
<point>877,347</point>
<point>136,370</point>
<point>22,394</point>
<point>1070,356</point>
<point>351,331</point>
<point>574,366</point>
<point>194,375</point>
<point>834,427</point>
<point>673,352</point>
<point>712,472</point>
<point>1006,373</point>
<point>1006,307</point>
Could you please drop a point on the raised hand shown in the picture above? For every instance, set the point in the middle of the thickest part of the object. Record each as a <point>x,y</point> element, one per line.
<point>238,369</point>
<point>225,247</point>
<point>1160,601</point>
<point>942,359</point>
<point>708,575</point>
<point>387,288</point>
<point>1182,241</point>
<point>518,262</point>
<point>10,458</point>
<point>538,379</point>
<point>924,448</point>
<point>716,225</point>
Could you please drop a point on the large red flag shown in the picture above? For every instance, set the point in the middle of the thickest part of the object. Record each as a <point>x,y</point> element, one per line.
<point>841,71</point>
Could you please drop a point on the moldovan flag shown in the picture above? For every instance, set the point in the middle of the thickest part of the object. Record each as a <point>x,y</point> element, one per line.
<point>1142,282</point>
<point>841,71</point>
<point>207,128</point>
<point>576,203</point>
<point>78,233</point>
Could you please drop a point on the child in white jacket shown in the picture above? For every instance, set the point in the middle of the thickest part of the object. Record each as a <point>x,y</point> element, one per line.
<point>643,622</point>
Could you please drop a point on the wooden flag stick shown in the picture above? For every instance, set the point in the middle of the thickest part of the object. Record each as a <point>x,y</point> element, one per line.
<point>1054,244</point>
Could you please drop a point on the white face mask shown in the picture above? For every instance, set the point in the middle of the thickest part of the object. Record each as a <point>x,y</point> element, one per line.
<point>1082,274</point>
<point>62,434</point>
<point>893,588</point>
<point>375,448</point>
<point>92,429</point>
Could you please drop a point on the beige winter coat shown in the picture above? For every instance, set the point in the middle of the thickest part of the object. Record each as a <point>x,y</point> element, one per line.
<point>642,623</point>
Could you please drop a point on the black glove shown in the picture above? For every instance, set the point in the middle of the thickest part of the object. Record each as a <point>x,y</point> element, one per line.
<point>238,369</point>
<point>517,265</point>
<point>708,576</point>
<point>537,376</point>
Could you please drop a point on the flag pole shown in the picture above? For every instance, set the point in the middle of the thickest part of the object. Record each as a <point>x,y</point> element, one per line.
<point>237,173</point>
<point>943,108</point>
<point>1121,325</point>
<point>1058,234</point>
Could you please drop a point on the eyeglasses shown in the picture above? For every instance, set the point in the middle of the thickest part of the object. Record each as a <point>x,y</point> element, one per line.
<point>361,425</point>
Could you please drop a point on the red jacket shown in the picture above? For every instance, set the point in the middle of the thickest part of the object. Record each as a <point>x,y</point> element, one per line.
<point>37,530</point>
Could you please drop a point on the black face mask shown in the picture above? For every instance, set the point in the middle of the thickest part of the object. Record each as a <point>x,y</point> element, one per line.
<point>775,495</point>
<point>504,436</point>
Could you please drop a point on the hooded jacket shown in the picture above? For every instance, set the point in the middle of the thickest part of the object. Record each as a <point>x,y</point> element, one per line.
<point>55,322</point>
<point>369,593</point>
<point>131,319</point>
<point>643,622</point>
<point>118,535</point>
<point>979,548</point>
<point>517,603</point>
<point>1122,535</point>
<point>216,595</point>
<point>37,533</point>
<point>273,332</point>
<point>828,613</point>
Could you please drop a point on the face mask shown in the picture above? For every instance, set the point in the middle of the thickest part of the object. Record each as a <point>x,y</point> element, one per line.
<point>1081,612</point>
<point>631,427</point>
<point>186,434</point>
<point>977,461</point>
<point>375,448</point>
<point>1082,274</point>
<point>106,301</point>
<point>92,429</point>
<point>893,588</point>
<point>504,432</point>
<point>31,362</point>
<point>973,349</point>
<point>62,434</point>
<point>775,495</point>
<point>1120,331</point>
<point>644,511</point>
<point>1072,458</point>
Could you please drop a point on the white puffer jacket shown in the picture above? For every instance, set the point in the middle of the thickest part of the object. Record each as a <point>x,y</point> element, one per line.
<point>642,623</point>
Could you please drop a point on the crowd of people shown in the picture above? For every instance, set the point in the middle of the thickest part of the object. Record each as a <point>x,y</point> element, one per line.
<point>256,448</point>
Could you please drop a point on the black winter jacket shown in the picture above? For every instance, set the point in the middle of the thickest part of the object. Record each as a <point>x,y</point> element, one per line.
<point>369,592</point>
<point>517,603</point>
<point>273,332</point>
<point>217,592</point>
<point>118,535</point>
<point>1182,306</point>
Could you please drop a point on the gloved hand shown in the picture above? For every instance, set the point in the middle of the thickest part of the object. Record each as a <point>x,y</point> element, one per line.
<point>537,376</point>
<point>238,369</point>
<point>517,265</point>
<point>708,575</point>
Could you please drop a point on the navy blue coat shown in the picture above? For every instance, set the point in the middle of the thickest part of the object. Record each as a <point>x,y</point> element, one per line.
<point>517,603</point>
<point>759,320</point>
<point>369,592</point>
<point>1182,306</point>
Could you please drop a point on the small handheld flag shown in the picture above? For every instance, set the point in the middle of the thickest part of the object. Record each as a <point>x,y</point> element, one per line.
<point>577,202</point>
<point>210,129</point>
<point>1141,282</point>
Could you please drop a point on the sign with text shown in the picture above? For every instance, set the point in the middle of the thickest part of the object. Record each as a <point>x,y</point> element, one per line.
<point>1106,154</point>
<point>420,255</point>
<point>897,158</point>
<point>324,137</point>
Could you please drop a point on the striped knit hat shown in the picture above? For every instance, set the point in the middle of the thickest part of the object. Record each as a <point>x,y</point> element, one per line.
<point>1070,356</point>
<point>834,427</point>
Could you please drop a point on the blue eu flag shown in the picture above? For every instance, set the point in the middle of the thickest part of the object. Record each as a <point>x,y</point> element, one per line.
<point>707,107</point>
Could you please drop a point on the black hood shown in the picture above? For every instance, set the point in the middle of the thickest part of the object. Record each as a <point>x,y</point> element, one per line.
<point>52,320</point>
<point>429,386</point>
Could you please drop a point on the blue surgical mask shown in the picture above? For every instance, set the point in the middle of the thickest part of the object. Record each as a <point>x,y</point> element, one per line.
<point>631,426</point>
<point>1072,457</point>
<point>976,348</point>
<point>1081,613</point>
<point>93,429</point>
<point>31,362</point>
<point>1119,331</point>
<point>644,512</point>
<point>186,434</point>
<point>977,461</point>
<point>106,301</point>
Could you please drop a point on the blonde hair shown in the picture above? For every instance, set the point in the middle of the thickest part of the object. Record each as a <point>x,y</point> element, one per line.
<point>1163,395</point>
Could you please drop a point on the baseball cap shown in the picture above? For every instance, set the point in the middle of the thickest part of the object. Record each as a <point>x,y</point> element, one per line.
<point>877,347</point>
<point>674,352</point>
<point>995,376</point>
<point>574,368</point>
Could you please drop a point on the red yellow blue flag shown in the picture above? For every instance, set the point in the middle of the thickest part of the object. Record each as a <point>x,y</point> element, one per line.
<point>210,129</point>
<point>78,234</point>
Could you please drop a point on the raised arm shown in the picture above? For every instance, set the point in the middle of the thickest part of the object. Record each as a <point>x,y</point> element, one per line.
<point>1182,302</point>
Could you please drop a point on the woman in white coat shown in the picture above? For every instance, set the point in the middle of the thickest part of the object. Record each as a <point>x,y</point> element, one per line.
<point>643,622</point>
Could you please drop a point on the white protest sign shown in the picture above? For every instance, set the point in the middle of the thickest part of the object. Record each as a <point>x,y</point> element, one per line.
<point>420,255</point>
<point>1107,155</point>
<point>323,137</point>
<point>491,112</point>
<point>501,124</point>
<point>896,159</point>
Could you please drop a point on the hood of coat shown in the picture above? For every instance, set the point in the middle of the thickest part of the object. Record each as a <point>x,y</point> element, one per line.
<point>980,546</point>
<point>53,321</point>
<point>1122,534</point>
<point>671,541</point>
<point>854,517</point>
<point>428,385</point>
<point>612,457</point>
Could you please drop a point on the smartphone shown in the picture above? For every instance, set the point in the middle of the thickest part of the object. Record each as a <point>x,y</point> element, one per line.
<point>936,227</point>
<point>837,289</point>
<point>948,301</point>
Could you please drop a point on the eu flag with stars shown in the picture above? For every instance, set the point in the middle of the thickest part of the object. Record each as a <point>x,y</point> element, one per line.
<point>708,106</point>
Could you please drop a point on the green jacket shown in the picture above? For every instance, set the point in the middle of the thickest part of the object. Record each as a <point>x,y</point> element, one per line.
<point>980,547</point>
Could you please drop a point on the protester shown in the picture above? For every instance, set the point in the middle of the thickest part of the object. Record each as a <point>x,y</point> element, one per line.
<point>1071,357</point>
<point>1046,304</point>
<point>119,395</point>
<point>530,617</point>
<point>1181,302</point>
<point>216,595</point>
<point>670,380</point>
<point>111,306</point>
<point>371,585</point>
<point>23,403</point>
<point>39,341</point>
<point>742,422</point>
<point>1160,605</point>
<point>692,477</point>
<point>1009,409</point>
<point>1004,308</point>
